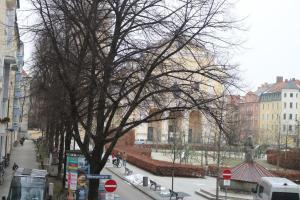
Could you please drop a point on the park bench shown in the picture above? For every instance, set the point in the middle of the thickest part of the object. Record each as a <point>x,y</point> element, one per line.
<point>177,195</point>
<point>156,186</point>
<point>128,171</point>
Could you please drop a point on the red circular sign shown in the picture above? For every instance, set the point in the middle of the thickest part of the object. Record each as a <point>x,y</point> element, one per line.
<point>227,174</point>
<point>110,185</point>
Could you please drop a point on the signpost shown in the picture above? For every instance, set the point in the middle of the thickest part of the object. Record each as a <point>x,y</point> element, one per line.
<point>98,176</point>
<point>110,185</point>
<point>226,176</point>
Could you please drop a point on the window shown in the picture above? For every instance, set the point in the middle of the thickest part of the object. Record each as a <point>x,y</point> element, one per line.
<point>291,116</point>
<point>284,94</point>
<point>284,116</point>
<point>291,95</point>
<point>190,137</point>
<point>285,196</point>
<point>296,117</point>
<point>170,133</point>
<point>290,128</point>
<point>196,86</point>
<point>291,105</point>
<point>150,134</point>
<point>284,127</point>
<point>284,105</point>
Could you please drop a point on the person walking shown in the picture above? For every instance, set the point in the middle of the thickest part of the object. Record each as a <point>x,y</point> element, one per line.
<point>15,167</point>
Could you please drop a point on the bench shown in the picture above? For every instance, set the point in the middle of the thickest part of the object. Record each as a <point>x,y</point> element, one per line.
<point>128,171</point>
<point>156,186</point>
<point>177,195</point>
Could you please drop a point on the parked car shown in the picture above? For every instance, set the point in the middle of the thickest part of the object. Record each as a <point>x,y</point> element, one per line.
<point>276,188</point>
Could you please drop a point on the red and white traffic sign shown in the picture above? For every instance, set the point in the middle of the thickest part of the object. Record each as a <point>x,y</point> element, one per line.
<point>110,185</point>
<point>227,174</point>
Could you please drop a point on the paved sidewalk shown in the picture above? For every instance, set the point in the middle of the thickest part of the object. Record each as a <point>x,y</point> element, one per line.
<point>187,185</point>
<point>191,186</point>
<point>24,156</point>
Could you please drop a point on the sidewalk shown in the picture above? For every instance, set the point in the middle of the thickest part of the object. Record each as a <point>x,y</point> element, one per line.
<point>187,185</point>
<point>197,188</point>
<point>25,157</point>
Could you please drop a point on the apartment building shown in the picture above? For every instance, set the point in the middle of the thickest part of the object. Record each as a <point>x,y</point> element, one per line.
<point>11,63</point>
<point>279,112</point>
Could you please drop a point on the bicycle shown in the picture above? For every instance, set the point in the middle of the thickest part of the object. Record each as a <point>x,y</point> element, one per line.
<point>117,163</point>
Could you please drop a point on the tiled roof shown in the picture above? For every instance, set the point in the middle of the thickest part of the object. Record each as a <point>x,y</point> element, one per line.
<point>249,172</point>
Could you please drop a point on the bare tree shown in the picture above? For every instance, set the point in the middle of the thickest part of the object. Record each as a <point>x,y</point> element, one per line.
<point>117,58</point>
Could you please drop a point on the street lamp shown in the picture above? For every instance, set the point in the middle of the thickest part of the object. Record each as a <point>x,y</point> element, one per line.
<point>297,134</point>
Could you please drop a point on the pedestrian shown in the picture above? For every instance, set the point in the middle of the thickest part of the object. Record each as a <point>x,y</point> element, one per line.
<point>15,167</point>
<point>124,157</point>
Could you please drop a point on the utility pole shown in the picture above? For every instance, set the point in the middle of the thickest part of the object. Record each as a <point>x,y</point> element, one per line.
<point>279,151</point>
<point>297,135</point>
<point>286,141</point>
<point>220,125</point>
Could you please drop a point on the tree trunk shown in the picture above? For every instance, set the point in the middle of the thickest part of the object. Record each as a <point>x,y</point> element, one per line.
<point>67,147</point>
<point>61,152</point>
<point>95,169</point>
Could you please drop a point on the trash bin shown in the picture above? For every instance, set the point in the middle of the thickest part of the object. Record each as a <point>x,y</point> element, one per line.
<point>145,181</point>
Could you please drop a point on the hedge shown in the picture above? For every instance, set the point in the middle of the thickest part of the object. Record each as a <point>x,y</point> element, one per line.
<point>157,167</point>
<point>288,160</point>
<point>292,175</point>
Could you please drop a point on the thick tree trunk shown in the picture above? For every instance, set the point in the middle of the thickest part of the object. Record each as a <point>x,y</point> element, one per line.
<point>95,169</point>
<point>67,147</point>
<point>93,189</point>
<point>61,152</point>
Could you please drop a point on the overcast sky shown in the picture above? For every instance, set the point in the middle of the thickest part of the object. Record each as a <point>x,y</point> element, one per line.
<point>273,39</point>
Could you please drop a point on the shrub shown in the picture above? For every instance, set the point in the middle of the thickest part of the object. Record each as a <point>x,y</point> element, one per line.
<point>162,168</point>
<point>292,175</point>
<point>288,160</point>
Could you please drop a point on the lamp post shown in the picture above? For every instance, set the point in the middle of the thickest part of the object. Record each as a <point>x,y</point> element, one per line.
<point>286,141</point>
<point>297,134</point>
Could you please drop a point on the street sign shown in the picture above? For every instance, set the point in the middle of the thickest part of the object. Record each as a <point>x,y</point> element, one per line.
<point>227,174</point>
<point>110,185</point>
<point>226,182</point>
<point>98,176</point>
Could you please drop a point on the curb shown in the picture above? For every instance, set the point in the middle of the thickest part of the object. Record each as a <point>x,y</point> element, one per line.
<point>130,183</point>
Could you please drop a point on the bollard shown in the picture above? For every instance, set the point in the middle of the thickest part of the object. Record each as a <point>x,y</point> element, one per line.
<point>51,190</point>
<point>145,181</point>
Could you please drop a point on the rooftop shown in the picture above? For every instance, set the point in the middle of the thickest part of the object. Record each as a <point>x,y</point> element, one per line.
<point>249,172</point>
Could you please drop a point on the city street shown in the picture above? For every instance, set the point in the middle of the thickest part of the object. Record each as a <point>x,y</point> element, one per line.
<point>23,156</point>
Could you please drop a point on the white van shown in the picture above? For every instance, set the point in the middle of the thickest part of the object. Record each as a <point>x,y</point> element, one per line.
<point>275,188</point>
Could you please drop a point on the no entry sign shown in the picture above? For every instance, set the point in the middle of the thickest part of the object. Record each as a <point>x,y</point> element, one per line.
<point>110,185</point>
<point>227,174</point>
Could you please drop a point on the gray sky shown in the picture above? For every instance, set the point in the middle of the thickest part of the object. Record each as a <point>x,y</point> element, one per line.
<point>273,39</point>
